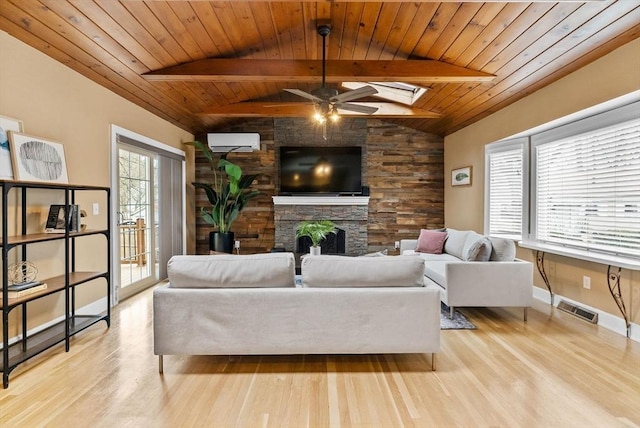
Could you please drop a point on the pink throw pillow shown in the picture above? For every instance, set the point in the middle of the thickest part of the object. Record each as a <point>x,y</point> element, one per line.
<point>431,241</point>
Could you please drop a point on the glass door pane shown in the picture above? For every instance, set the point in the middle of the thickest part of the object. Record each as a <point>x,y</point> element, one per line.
<point>136,219</point>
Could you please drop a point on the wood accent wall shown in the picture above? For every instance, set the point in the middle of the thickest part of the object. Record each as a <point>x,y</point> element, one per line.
<point>403,168</point>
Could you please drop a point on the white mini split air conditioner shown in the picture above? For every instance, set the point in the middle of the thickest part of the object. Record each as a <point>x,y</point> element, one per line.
<point>238,142</point>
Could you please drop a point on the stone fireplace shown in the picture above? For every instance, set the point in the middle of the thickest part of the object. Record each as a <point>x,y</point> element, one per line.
<point>349,213</point>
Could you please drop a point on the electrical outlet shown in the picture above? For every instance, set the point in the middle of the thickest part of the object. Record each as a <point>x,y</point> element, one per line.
<point>397,245</point>
<point>586,282</point>
<point>236,244</point>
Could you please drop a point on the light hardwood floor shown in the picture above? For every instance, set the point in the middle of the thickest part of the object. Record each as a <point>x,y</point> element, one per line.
<point>553,371</point>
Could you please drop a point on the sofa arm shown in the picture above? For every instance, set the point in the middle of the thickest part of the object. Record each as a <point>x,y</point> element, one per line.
<point>408,244</point>
<point>489,283</point>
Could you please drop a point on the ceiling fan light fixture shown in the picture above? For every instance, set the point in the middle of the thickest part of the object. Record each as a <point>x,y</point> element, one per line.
<point>318,117</point>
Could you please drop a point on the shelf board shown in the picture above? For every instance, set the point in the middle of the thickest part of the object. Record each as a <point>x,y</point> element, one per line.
<point>52,186</point>
<point>49,337</point>
<point>43,237</point>
<point>55,285</point>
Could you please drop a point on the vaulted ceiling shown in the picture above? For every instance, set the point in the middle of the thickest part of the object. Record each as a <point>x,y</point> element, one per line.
<point>236,57</point>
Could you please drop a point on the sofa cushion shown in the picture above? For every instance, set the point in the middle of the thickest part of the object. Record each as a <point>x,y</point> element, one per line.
<point>436,271</point>
<point>229,271</point>
<point>477,248</point>
<point>342,271</point>
<point>432,257</point>
<point>454,244</point>
<point>502,250</point>
<point>431,241</point>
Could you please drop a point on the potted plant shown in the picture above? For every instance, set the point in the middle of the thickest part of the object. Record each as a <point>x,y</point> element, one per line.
<point>316,230</point>
<point>228,194</point>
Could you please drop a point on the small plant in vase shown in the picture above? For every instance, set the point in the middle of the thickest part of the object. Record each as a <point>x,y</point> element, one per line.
<point>316,230</point>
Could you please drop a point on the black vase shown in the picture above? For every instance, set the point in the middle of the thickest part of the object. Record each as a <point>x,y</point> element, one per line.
<point>221,242</point>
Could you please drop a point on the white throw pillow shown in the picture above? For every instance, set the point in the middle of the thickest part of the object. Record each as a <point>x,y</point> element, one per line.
<point>477,248</point>
<point>454,244</point>
<point>502,250</point>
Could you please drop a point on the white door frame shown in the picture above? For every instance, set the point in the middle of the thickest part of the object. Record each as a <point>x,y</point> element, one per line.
<point>115,252</point>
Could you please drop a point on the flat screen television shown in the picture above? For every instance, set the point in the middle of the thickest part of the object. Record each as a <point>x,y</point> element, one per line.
<point>320,170</point>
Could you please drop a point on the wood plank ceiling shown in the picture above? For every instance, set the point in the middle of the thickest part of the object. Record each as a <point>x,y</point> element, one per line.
<point>524,45</point>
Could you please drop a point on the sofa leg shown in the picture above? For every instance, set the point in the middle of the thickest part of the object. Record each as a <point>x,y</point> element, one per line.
<point>451,312</point>
<point>525,314</point>
<point>160,364</point>
<point>433,361</point>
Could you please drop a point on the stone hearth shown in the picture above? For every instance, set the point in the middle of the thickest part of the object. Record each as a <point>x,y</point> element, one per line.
<point>348,213</point>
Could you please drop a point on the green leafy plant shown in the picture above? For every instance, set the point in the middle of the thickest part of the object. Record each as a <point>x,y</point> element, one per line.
<point>316,230</point>
<point>229,192</point>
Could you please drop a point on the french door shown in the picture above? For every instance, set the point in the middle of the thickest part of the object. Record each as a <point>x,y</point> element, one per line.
<point>148,210</point>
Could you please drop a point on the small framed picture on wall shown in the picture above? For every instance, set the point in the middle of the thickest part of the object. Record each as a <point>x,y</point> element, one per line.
<point>37,159</point>
<point>461,176</point>
<point>7,124</point>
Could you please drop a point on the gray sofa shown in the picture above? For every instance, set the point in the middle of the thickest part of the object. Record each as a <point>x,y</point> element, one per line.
<point>251,305</point>
<point>475,270</point>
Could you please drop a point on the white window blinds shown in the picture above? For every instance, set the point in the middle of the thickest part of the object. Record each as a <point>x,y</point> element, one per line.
<point>505,192</point>
<point>588,190</point>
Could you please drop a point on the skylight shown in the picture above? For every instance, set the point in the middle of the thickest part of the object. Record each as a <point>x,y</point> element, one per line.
<point>404,93</point>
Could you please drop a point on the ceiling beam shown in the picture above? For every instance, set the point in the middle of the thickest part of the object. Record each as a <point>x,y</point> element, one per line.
<point>416,1</point>
<point>246,70</point>
<point>287,109</point>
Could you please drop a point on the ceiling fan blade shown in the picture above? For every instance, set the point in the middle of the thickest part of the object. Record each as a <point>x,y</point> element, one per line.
<point>356,108</point>
<point>303,94</point>
<point>365,91</point>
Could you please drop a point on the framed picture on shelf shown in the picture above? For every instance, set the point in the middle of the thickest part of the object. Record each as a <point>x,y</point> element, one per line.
<point>36,159</point>
<point>7,124</point>
<point>461,176</point>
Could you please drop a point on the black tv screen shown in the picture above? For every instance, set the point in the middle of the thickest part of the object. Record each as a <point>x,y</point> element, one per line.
<point>312,170</point>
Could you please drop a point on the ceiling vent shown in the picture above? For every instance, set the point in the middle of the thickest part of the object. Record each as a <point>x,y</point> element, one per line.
<point>579,312</point>
<point>237,142</point>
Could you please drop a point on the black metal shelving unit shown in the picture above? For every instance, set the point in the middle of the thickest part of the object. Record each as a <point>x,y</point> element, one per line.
<point>32,344</point>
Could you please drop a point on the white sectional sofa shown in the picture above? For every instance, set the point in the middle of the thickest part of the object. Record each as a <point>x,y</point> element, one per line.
<point>251,305</point>
<point>473,270</point>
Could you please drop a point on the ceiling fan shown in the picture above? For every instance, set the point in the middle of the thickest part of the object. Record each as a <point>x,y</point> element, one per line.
<point>327,100</point>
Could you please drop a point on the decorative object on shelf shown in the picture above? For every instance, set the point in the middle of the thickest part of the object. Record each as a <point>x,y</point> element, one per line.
<point>83,214</point>
<point>316,230</point>
<point>37,160</point>
<point>461,176</point>
<point>22,272</point>
<point>56,219</point>
<point>7,124</point>
<point>228,195</point>
<point>20,290</point>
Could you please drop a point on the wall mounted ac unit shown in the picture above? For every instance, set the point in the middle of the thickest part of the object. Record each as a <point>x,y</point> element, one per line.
<point>238,142</point>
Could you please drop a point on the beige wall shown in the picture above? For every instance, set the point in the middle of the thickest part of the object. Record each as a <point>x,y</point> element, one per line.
<point>59,104</point>
<point>612,76</point>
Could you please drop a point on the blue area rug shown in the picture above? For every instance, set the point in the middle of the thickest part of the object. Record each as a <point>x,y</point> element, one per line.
<point>459,321</point>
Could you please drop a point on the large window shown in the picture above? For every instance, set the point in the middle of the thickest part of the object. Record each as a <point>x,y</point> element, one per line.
<point>505,168</point>
<point>580,192</point>
<point>586,184</point>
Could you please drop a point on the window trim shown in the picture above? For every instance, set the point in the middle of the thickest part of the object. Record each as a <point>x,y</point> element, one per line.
<point>501,146</point>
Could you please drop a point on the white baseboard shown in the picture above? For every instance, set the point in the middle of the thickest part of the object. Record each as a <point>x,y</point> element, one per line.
<point>605,319</point>
<point>93,308</point>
